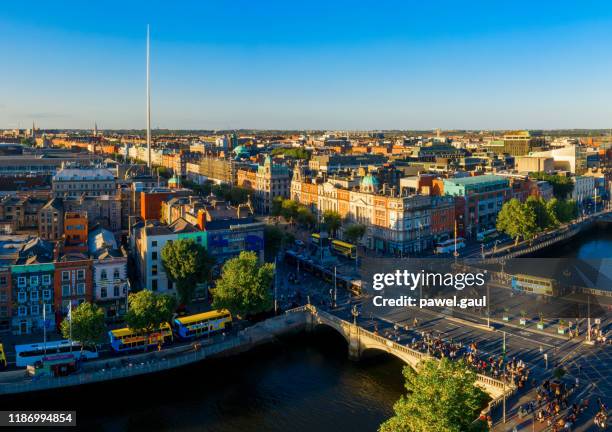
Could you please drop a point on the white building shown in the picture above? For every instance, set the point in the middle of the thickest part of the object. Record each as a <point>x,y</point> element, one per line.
<point>584,188</point>
<point>149,242</point>
<point>110,279</point>
<point>74,182</point>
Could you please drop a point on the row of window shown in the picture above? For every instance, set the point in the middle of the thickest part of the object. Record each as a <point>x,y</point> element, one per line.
<point>34,280</point>
<point>116,291</point>
<point>80,275</point>
<point>34,310</point>
<point>67,292</point>
<point>22,296</point>
<point>116,273</point>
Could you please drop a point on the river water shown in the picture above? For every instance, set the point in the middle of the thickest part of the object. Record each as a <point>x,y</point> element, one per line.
<point>305,383</point>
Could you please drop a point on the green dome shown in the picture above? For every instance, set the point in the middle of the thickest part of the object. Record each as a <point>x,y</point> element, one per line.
<point>240,150</point>
<point>369,182</point>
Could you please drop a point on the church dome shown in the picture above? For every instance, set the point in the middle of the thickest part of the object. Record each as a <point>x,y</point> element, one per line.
<point>369,183</point>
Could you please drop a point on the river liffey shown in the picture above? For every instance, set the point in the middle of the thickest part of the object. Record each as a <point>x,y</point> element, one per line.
<point>305,383</point>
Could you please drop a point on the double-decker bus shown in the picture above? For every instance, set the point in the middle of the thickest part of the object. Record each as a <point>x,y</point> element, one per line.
<point>448,246</point>
<point>534,284</point>
<point>345,249</point>
<point>29,354</point>
<point>202,324</point>
<point>125,339</point>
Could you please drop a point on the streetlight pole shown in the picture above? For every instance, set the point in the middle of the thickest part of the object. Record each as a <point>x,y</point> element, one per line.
<point>588,317</point>
<point>335,286</point>
<point>275,286</point>
<point>488,306</point>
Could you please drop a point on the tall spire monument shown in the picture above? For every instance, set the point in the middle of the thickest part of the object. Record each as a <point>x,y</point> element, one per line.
<point>148,101</point>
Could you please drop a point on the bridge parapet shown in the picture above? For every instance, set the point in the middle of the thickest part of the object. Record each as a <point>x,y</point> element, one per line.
<point>360,340</point>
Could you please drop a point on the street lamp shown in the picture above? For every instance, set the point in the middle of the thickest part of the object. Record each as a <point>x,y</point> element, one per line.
<point>335,287</point>
<point>355,313</point>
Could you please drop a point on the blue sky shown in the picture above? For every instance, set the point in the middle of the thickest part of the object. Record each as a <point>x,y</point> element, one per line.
<point>317,65</point>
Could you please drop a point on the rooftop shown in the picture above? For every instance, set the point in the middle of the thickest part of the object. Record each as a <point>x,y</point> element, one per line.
<point>474,180</point>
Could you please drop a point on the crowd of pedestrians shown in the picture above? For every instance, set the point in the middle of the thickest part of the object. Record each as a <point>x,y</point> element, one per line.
<point>513,371</point>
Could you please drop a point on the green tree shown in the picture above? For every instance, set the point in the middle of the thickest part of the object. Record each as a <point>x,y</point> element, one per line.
<point>289,210</point>
<point>305,217</point>
<point>88,325</point>
<point>332,221</point>
<point>273,241</point>
<point>147,310</point>
<point>187,264</point>
<point>277,206</point>
<point>561,210</point>
<point>442,397</point>
<point>562,185</point>
<point>244,285</point>
<point>353,233</point>
<point>543,216</point>
<point>552,208</point>
<point>517,220</point>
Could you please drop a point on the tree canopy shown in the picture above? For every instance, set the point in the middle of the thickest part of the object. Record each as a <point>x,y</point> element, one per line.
<point>147,310</point>
<point>517,220</point>
<point>88,325</point>
<point>244,285</point>
<point>353,233</point>
<point>274,238</point>
<point>332,221</point>
<point>441,397</point>
<point>186,264</point>
<point>563,186</point>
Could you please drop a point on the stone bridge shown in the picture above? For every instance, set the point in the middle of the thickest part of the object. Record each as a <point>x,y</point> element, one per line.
<point>359,340</point>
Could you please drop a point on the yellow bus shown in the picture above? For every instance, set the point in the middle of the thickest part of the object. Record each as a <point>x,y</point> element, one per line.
<point>202,324</point>
<point>534,284</point>
<point>3,363</point>
<point>125,339</point>
<point>343,248</point>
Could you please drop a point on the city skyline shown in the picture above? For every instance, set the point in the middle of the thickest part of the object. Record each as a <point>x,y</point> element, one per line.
<point>323,67</point>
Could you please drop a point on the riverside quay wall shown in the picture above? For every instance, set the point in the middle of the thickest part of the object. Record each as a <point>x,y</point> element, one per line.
<point>305,318</point>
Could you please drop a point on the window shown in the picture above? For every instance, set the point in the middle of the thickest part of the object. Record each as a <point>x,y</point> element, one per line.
<point>21,281</point>
<point>46,294</point>
<point>116,274</point>
<point>65,276</point>
<point>103,292</point>
<point>2,280</point>
<point>22,311</point>
<point>34,280</point>
<point>154,256</point>
<point>154,285</point>
<point>34,309</point>
<point>80,288</point>
<point>116,291</point>
<point>21,296</point>
<point>80,274</point>
<point>154,270</point>
<point>103,275</point>
<point>65,290</point>
<point>34,295</point>
<point>46,279</point>
<point>154,243</point>
<point>48,310</point>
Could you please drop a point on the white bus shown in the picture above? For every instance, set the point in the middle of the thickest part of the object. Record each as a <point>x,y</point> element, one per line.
<point>448,246</point>
<point>29,354</point>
